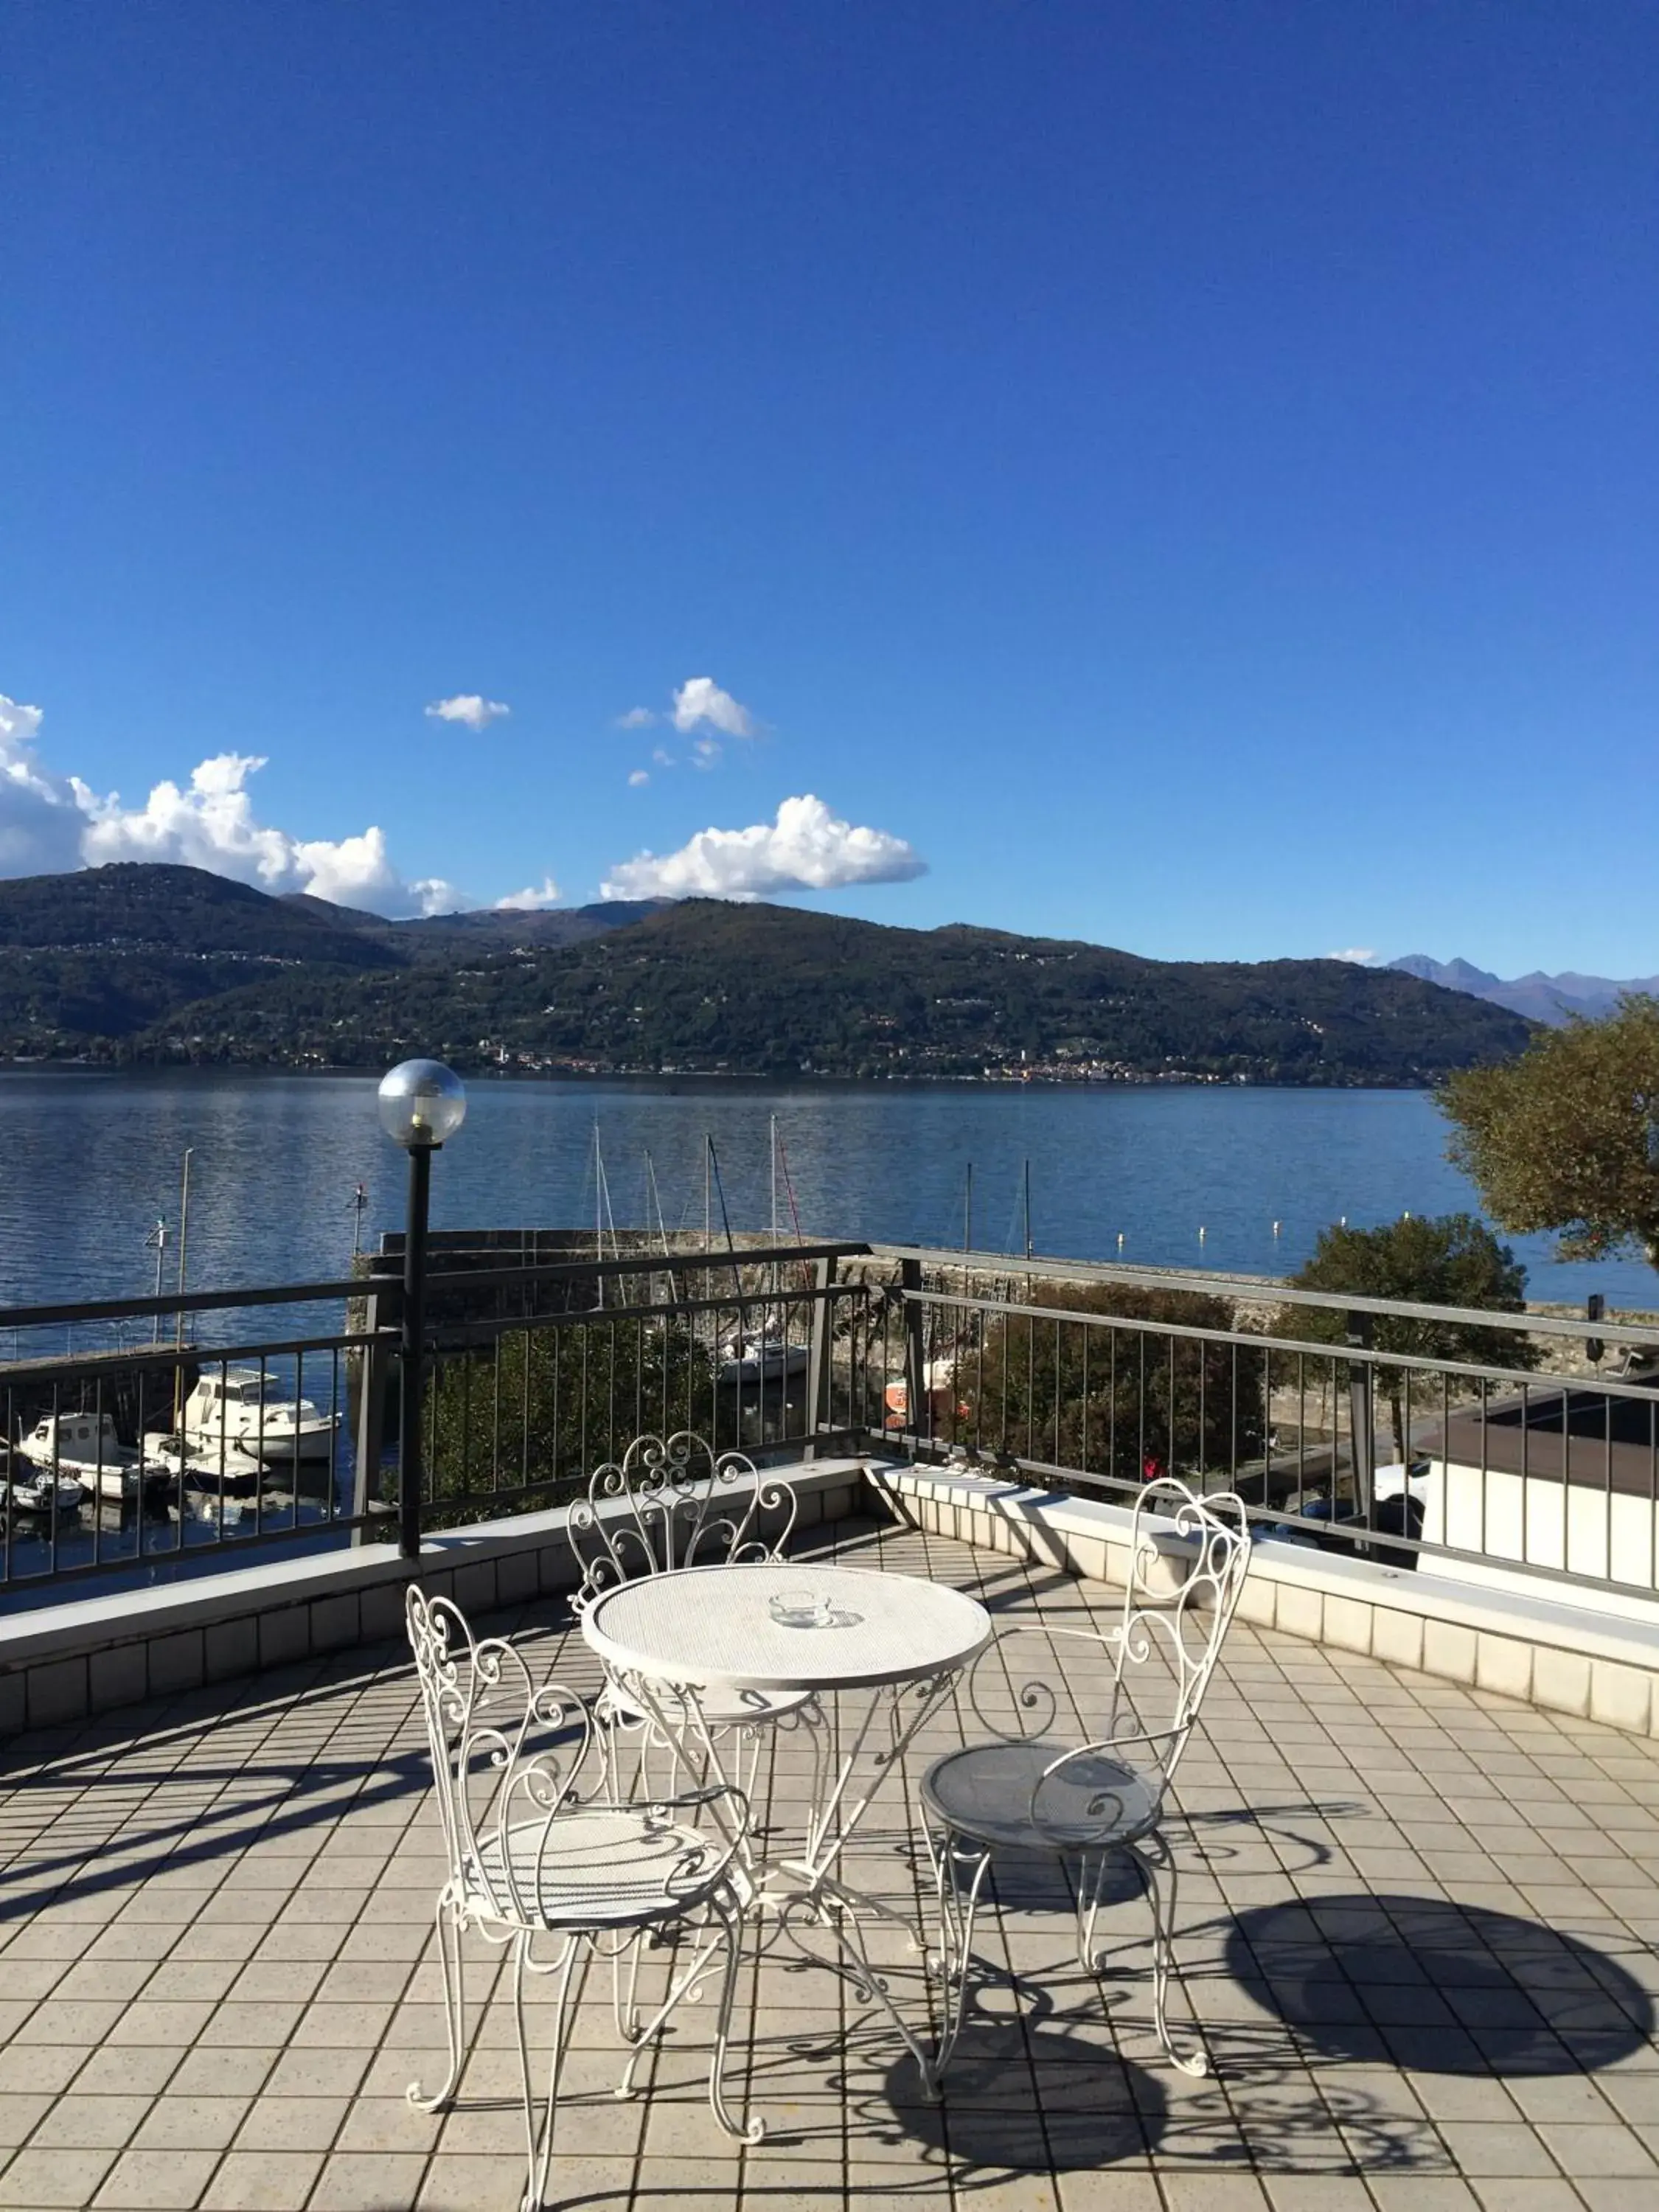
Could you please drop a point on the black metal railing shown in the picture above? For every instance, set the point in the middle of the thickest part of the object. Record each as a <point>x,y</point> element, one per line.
<point>176,1435</point>
<point>164,1441</point>
<point>226,1431</point>
<point>1311,1405</point>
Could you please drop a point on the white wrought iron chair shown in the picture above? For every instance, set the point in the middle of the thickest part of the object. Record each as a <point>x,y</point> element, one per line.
<point>1081,1804</point>
<point>531,1855</point>
<point>672,1502</point>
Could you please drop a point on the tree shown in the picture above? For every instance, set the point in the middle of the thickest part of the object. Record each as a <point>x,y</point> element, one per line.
<point>1448,1259</point>
<point>1567,1136</point>
<point>540,1408</point>
<point>1124,1402</point>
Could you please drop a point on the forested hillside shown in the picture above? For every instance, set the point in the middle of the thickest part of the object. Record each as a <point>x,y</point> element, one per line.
<point>137,963</point>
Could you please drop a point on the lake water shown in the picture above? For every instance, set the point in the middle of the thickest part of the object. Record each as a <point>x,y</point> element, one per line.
<point>89,1161</point>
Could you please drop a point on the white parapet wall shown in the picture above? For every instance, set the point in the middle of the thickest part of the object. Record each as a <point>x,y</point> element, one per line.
<point>1594,1654</point>
<point>61,1663</point>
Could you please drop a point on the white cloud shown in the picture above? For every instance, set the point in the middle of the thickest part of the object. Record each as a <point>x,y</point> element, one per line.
<point>699,699</point>
<point>468,707</point>
<point>806,848</point>
<point>49,823</point>
<point>636,718</point>
<point>662,757</point>
<point>639,776</point>
<point>706,753</point>
<point>530,900</point>
<point>1362,956</point>
<point>210,823</point>
<point>40,820</point>
<point>437,894</point>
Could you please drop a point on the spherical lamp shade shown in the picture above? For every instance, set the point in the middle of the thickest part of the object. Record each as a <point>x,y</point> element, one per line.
<point>421,1103</point>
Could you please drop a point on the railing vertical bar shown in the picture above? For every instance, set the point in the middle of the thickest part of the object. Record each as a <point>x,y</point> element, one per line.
<point>1088,1334</point>
<point>1058,1370</point>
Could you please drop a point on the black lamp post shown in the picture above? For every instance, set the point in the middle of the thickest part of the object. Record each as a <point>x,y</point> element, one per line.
<point>421,1103</point>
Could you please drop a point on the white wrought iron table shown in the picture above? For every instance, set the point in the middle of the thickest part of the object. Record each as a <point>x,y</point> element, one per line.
<point>673,1641</point>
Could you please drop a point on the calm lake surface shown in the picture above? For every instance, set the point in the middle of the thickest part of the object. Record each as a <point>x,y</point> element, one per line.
<point>89,1161</point>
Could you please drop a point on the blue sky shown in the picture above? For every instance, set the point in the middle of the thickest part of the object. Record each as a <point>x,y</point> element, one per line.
<point>1178,475</point>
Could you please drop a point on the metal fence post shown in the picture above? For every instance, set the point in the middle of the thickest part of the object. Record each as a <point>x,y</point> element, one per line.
<point>819,1351</point>
<point>409,1393</point>
<point>1361,1418</point>
<point>369,1427</point>
<point>915,1350</point>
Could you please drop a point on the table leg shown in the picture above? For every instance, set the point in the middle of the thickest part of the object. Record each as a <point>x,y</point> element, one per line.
<point>799,1893</point>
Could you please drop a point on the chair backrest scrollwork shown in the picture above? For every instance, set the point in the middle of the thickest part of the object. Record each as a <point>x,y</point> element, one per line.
<point>1187,1560</point>
<point>1179,1600</point>
<point>673,1501</point>
<point>482,1708</point>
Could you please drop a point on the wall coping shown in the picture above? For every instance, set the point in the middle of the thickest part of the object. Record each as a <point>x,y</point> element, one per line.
<point>124,1616</point>
<point>1631,1636</point>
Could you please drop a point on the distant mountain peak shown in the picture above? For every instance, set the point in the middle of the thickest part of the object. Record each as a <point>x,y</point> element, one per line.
<point>1552,999</point>
<point>1450,975</point>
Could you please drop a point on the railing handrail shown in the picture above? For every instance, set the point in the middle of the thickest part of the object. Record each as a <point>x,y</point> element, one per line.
<point>1266,1290</point>
<point>443,1280</point>
<point>379,1286</point>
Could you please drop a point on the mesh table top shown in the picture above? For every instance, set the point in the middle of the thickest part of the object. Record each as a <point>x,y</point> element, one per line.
<point>789,1627</point>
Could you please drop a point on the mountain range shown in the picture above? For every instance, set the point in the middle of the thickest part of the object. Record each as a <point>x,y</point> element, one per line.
<point>1538,997</point>
<point>142,963</point>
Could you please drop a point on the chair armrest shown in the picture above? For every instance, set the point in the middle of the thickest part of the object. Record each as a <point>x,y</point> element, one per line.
<point>1159,1747</point>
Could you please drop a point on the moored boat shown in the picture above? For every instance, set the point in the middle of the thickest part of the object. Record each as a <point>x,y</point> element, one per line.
<point>85,1448</point>
<point>232,1470</point>
<point>765,1359</point>
<point>237,1408</point>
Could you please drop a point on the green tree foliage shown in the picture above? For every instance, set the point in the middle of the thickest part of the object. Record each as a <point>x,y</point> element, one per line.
<point>537,1412</point>
<point>1566,1138</point>
<point>1446,1259</point>
<point>1123,1403</point>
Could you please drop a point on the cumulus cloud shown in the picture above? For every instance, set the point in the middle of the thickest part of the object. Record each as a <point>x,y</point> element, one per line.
<point>639,776</point>
<point>212,824</point>
<point>1362,956</point>
<point>806,848</point>
<point>41,819</point>
<point>468,707</point>
<point>50,823</point>
<point>530,900</point>
<point>706,753</point>
<point>700,700</point>
<point>662,757</point>
<point>636,718</point>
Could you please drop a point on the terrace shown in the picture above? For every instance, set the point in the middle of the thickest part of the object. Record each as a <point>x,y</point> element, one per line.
<point>1417,1829</point>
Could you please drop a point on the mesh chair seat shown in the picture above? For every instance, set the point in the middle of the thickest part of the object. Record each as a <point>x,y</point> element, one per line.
<point>994,1795</point>
<point>599,1867</point>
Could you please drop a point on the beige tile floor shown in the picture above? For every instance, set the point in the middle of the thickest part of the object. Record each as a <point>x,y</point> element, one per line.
<point>1418,1927</point>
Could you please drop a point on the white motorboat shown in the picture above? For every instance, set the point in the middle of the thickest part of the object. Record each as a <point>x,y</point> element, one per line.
<point>765,1359</point>
<point>31,1489</point>
<point>85,1448</point>
<point>232,1470</point>
<point>236,1408</point>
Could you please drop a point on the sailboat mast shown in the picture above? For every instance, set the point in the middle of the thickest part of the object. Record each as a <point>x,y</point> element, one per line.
<point>184,1238</point>
<point>159,1238</point>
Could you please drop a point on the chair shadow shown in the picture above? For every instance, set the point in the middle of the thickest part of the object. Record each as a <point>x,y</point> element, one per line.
<point>1445,1988</point>
<point>1084,2108</point>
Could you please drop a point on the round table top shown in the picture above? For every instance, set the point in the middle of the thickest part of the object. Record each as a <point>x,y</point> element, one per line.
<point>788,1626</point>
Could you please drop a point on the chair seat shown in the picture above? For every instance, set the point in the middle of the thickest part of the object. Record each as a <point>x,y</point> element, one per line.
<point>720,1708</point>
<point>984,1793</point>
<point>601,1868</point>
